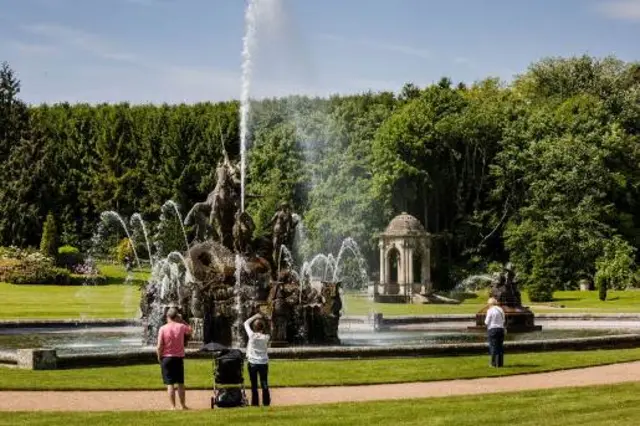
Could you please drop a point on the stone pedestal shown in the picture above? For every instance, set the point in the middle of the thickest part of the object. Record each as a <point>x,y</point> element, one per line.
<point>37,359</point>
<point>518,319</point>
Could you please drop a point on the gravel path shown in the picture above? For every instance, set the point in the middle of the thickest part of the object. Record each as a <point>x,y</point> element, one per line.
<point>157,400</point>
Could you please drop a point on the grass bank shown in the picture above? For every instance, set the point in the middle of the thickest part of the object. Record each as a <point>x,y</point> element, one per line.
<point>316,372</point>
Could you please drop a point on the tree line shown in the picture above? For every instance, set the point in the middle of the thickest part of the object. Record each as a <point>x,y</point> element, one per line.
<point>543,171</point>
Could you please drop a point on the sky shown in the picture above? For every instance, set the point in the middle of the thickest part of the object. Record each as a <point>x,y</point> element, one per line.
<point>154,51</point>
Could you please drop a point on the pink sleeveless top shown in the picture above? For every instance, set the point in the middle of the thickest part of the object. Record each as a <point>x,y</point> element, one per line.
<point>172,335</point>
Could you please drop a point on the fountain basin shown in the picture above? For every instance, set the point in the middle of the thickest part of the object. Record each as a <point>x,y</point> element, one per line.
<point>148,355</point>
<point>78,344</point>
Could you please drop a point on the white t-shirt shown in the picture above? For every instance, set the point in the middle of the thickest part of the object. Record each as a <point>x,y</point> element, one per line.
<point>494,318</point>
<point>257,346</point>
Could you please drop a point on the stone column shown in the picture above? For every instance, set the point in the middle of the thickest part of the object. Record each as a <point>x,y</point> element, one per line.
<point>383,276</point>
<point>410,275</point>
<point>400,267</point>
<point>426,267</point>
<point>406,258</point>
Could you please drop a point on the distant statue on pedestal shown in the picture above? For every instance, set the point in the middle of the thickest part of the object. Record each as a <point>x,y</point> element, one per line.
<point>505,289</point>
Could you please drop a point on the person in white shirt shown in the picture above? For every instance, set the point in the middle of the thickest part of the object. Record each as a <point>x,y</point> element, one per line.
<point>257,358</point>
<point>495,322</point>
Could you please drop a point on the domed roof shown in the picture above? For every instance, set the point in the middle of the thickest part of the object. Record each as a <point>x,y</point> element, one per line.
<point>404,224</point>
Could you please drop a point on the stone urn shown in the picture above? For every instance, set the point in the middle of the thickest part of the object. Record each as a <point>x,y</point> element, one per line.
<point>585,285</point>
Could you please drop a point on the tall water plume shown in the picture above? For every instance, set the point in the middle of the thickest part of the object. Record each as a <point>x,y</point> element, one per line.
<point>248,45</point>
<point>263,19</point>
<point>137,217</point>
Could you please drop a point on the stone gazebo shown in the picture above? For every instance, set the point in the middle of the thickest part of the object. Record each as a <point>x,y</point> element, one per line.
<point>405,261</point>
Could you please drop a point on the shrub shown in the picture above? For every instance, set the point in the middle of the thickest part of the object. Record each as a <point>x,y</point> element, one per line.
<point>28,255</point>
<point>49,243</point>
<point>28,266</point>
<point>30,274</point>
<point>69,257</point>
<point>124,250</point>
<point>540,290</point>
<point>10,252</point>
<point>615,266</point>
<point>602,289</point>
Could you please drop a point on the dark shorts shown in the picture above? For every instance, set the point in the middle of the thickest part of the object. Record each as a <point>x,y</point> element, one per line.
<point>172,370</point>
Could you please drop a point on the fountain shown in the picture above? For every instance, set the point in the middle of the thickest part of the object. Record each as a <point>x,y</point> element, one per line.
<point>505,290</point>
<point>105,216</point>
<point>225,275</point>
<point>137,217</point>
<point>172,205</point>
<point>229,276</point>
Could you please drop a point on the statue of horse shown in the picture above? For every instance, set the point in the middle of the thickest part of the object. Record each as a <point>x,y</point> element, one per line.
<point>219,210</point>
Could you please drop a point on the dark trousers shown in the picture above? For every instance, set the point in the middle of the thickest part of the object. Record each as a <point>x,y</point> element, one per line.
<point>261,370</point>
<point>496,346</point>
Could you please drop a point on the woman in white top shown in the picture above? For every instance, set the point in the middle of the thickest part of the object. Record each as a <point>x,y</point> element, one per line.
<point>257,358</point>
<point>495,322</point>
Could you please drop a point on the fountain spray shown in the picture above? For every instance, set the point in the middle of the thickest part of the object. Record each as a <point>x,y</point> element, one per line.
<point>248,46</point>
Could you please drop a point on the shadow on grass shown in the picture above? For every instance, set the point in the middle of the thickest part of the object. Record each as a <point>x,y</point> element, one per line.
<point>565,299</point>
<point>522,365</point>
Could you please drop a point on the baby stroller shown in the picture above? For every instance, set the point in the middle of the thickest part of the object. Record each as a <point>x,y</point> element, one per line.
<point>228,382</point>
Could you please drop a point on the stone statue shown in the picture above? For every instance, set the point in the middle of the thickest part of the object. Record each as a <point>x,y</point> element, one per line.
<point>513,294</point>
<point>150,294</point>
<point>220,206</point>
<point>284,227</point>
<point>331,308</point>
<point>505,289</point>
<point>243,232</point>
<point>279,313</point>
<point>196,303</point>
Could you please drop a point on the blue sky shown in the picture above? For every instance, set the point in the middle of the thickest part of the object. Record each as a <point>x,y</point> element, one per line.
<point>190,50</point>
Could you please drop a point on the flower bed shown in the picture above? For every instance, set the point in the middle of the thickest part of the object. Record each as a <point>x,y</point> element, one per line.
<point>24,266</point>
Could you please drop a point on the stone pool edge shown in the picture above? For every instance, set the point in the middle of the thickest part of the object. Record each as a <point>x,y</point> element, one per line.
<point>48,359</point>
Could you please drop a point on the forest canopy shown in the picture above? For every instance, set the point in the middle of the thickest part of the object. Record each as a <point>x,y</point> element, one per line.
<point>543,171</point>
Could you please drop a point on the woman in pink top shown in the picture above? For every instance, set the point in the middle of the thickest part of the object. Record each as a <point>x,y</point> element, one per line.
<point>170,349</point>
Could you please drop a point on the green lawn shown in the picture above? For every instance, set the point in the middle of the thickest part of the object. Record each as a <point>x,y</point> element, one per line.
<point>564,302</point>
<point>121,301</point>
<point>316,372</point>
<point>361,305</point>
<point>115,300</point>
<point>617,405</point>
